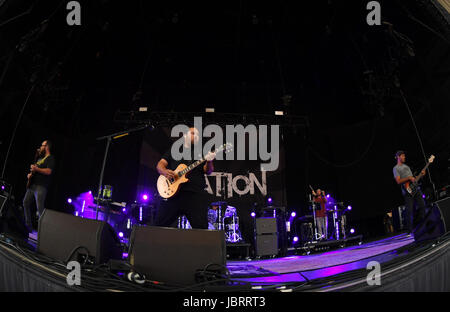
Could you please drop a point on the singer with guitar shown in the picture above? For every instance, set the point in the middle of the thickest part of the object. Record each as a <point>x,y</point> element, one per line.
<point>190,199</point>
<point>410,190</point>
<point>39,180</point>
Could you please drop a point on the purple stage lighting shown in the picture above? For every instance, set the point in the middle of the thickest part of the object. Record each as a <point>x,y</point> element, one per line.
<point>293,214</point>
<point>3,187</point>
<point>90,192</point>
<point>145,197</point>
<point>352,231</point>
<point>423,196</point>
<point>328,195</point>
<point>269,200</point>
<point>349,207</point>
<point>120,234</point>
<point>253,214</point>
<point>69,200</point>
<point>295,239</point>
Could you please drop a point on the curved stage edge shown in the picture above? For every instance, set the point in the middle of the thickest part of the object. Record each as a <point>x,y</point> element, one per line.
<point>403,266</point>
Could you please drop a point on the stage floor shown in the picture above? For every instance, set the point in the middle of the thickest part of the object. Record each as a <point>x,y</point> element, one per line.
<point>320,265</point>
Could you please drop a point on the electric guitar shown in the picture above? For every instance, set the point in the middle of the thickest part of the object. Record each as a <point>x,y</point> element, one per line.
<point>30,178</point>
<point>413,187</point>
<point>169,187</point>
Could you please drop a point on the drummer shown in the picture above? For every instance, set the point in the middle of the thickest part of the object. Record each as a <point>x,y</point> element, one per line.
<point>321,214</point>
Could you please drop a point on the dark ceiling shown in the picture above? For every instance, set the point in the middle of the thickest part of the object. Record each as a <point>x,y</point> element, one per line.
<point>236,56</point>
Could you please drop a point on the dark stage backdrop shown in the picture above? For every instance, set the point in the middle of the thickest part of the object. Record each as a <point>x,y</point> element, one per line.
<point>247,186</point>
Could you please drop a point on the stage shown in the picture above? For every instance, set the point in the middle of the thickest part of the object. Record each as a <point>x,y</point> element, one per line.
<point>313,266</point>
<point>403,263</point>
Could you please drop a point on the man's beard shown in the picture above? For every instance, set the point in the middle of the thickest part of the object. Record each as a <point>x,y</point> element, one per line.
<point>41,153</point>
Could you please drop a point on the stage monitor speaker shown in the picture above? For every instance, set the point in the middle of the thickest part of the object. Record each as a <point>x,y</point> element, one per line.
<point>436,222</point>
<point>266,245</point>
<point>174,255</point>
<point>11,221</point>
<point>61,235</point>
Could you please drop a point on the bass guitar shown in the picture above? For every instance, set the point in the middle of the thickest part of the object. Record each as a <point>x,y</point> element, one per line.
<point>413,187</point>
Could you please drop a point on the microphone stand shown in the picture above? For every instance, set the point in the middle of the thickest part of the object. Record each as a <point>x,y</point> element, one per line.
<point>313,205</point>
<point>109,138</point>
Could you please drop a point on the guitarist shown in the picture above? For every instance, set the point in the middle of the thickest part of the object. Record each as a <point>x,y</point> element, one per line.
<point>403,174</point>
<point>190,199</point>
<point>39,180</point>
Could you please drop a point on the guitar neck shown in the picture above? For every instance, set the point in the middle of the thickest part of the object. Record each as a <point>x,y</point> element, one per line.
<point>420,176</point>
<point>191,167</point>
<point>199,162</point>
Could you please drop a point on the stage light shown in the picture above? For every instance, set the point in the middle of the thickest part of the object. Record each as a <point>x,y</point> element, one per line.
<point>3,187</point>
<point>349,208</point>
<point>124,209</point>
<point>145,197</point>
<point>209,110</point>
<point>90,192</point>
<point>120,234</point>
<point>295,239</point>
<point>423,196</point>
<point>253,214</point>
<point>69,200</point>
<point>352,231</point>
<point>328,195</point>
<point>269,200</point>
<point>279,113</point>
<point>293,214</point>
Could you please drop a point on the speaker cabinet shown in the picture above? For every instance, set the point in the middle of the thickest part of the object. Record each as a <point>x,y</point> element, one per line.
<point>266,238</point>
<point>444,208</point>
<point>60,235</point>
<point>173,255</point>
<point>266,245</point>
<point>266,226</point>
<point>11,221</point>
<point>436,222</point>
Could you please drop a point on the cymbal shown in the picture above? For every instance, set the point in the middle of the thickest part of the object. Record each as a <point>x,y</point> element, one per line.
<point>219,203</point>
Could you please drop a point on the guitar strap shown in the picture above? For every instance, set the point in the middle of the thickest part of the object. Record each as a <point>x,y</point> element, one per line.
<point>40,162</point>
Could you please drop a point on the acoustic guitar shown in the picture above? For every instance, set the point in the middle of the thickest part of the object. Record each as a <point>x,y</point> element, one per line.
<point>169,187</point>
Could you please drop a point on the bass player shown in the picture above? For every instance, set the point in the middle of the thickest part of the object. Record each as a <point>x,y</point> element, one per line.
<point>402,175</point>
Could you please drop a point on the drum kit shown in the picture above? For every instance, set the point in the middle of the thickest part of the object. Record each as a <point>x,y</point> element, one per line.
<point>336,222</point>
<point>224,217</point>
<point>220,217</point>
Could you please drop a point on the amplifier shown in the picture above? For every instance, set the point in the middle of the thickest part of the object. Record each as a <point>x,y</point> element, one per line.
<point>266,226</point>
